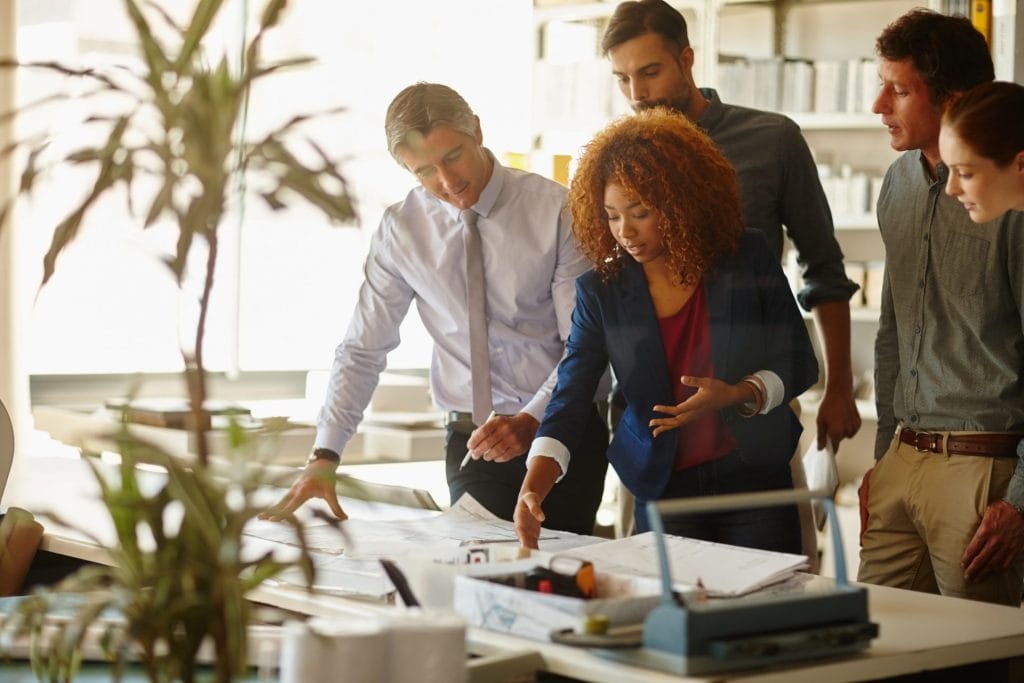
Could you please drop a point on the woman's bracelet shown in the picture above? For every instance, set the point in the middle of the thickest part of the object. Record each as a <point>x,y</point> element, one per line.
<point>751,408</point>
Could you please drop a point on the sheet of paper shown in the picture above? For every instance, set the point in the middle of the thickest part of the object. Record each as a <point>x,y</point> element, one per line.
<point>338,575</point>
<point>820,471</point>
<point>466,523</point>
<point>725,570</point>
<point>346,557</point>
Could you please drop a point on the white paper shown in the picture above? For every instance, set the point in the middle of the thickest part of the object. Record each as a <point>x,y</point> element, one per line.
<point>346,558</point>
<point>466,523</point>
<point>724,570</point>
<point>820,471</point>
<point>339,575</point>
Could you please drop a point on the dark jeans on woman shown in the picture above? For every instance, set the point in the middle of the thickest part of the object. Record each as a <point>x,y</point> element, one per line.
<point>571,505</point>
<point>773,528</point>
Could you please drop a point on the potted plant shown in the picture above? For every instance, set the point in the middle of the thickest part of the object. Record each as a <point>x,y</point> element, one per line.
<point>186,584</point>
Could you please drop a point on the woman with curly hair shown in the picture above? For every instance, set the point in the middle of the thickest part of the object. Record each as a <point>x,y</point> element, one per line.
<point>700,327</point>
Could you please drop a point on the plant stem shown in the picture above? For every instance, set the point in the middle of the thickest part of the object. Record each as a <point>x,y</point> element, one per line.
<point>195,370</point>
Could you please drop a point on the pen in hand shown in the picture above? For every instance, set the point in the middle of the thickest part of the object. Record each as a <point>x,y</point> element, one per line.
<point>465,461</point>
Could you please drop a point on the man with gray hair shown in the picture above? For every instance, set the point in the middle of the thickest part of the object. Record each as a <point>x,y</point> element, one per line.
<point>487,253</point>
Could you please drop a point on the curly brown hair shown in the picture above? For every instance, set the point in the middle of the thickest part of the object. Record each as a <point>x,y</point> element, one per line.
<point>669,165</point>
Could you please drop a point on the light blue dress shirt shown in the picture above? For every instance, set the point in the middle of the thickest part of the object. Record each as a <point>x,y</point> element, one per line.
<point>531,263</point>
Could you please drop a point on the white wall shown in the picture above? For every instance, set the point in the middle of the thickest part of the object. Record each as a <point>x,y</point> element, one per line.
<point>13,380</point>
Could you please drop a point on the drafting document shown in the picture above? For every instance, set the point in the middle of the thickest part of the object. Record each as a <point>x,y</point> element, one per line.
<point>340,575</point>
<point>443,536</point>
<point>346,558</point>
<point>725,570</point>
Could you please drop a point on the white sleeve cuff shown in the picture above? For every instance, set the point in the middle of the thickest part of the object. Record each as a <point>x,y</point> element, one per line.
<point>775,390</point>
<point>545,446</point>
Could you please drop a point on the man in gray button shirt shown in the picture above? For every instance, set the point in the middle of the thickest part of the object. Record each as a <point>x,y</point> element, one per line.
<point>649,48</point>
<point>941,509</point>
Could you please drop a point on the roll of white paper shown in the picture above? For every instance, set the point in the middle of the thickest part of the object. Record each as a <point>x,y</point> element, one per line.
<point>333,651</point>
<point>425,645</point>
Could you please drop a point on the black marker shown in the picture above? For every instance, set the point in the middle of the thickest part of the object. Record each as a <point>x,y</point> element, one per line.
<point>400,582</point>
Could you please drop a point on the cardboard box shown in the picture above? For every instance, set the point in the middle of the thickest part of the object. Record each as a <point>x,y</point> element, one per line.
<point>624,600</point>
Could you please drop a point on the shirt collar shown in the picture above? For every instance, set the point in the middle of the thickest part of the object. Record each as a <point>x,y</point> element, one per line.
<point>941,171</point>
<point>714,112</point>
<point>489,195</point>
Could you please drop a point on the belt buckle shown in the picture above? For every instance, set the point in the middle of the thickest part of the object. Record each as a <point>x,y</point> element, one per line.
<point>453,417</point>
<point>932,442</point>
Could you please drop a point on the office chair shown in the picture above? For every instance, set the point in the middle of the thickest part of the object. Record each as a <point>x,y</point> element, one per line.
<point>6,447</point>
<point>20,534</point>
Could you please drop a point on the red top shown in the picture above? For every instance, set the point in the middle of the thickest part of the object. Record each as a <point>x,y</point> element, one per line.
<point>686,337</point>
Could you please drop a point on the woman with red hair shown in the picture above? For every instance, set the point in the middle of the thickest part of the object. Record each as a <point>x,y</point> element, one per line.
<point>700,327</point>
<point>982,143</point>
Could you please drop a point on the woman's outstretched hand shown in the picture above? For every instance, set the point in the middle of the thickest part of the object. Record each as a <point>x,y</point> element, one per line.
<point>712,394</point>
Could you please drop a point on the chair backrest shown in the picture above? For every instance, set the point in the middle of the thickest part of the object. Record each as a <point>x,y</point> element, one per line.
<point>6,447</point>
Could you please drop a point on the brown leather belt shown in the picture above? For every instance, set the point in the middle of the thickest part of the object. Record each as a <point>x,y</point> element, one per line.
<point>991,445</point>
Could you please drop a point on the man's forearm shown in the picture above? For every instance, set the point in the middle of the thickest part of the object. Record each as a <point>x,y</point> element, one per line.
<point>833,323</point>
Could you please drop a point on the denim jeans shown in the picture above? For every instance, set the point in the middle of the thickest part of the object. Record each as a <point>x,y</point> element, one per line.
<point>773,528</point>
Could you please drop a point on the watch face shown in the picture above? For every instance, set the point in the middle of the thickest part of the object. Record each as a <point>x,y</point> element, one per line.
<point>323,454</point>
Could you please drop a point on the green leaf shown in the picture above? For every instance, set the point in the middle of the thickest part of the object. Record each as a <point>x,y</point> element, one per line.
<point>28,175</point>
<point>152,53</point>
<point>180,260</point>
<point>161,202</point>
<point>67,229</point>
<point>273,202</point>
<point>85,155</point>
<point>202,18</point>
<point>256,73</point>
<point>156,7</point>
<point>272,14</point>
<point>31,106</point>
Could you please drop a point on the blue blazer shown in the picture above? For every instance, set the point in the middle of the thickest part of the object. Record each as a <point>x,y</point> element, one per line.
<point>755,325</point>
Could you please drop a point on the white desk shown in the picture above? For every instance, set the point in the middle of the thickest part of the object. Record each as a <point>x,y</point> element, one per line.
<point>381,437</point>
<point>918,632</point>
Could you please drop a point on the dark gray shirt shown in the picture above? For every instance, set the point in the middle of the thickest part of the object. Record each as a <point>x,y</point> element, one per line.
<point>950,349</point>
<point>780,187</point>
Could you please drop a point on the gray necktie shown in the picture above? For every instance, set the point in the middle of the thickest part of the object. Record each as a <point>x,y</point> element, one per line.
<point>476,296</point>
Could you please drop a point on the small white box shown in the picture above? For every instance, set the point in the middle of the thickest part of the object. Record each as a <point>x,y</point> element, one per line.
<point>624,600</point>
<point>401,393</point>
<point>388,443</point>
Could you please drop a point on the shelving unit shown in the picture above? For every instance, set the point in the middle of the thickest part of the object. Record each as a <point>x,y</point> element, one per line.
<point>849,144</point>
<point>852,147</point>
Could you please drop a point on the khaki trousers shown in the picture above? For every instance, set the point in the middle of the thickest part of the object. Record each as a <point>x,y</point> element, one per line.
<point>922,511</point>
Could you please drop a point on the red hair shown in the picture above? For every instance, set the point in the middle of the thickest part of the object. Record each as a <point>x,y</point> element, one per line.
<point>666,163</point>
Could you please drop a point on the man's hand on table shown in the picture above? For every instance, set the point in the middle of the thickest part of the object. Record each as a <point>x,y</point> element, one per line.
<point>316,481</point>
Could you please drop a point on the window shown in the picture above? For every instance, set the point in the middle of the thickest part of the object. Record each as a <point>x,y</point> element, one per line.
<point>286,282</point>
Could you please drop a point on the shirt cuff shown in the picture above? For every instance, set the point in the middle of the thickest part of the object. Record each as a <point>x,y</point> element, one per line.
<point>775,390</point>
<point>815,294</point>
<point>331,437</point>
<point>547,447</point>
<point>536,407</point>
